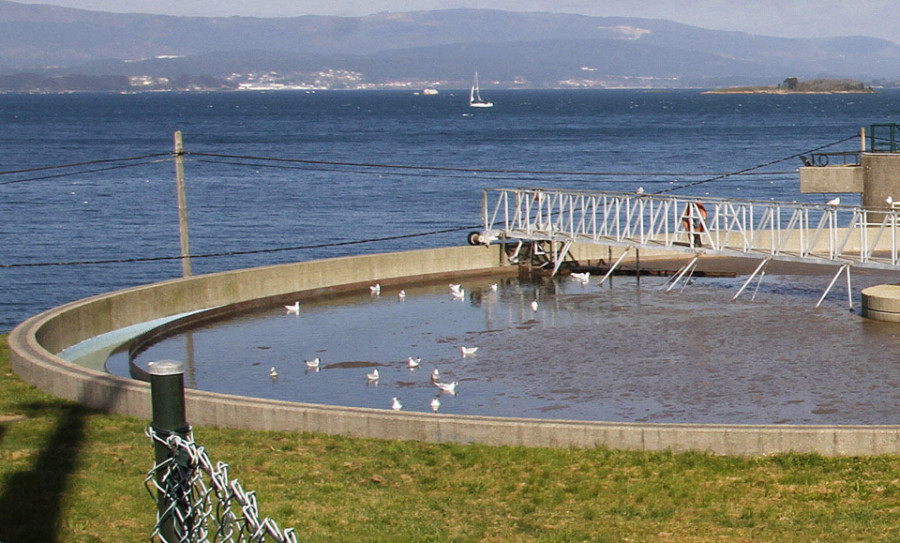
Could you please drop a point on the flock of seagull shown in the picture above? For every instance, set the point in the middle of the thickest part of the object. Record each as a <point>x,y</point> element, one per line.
<point>457,292</point>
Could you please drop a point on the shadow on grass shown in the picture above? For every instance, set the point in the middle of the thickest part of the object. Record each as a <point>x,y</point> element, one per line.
<point>31,507</point>
<point>32,500</point>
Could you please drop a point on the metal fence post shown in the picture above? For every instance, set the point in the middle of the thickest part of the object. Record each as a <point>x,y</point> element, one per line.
<point>167,397</point>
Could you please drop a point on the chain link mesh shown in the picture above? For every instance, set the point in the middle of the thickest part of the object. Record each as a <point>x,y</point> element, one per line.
<point>201,501</point>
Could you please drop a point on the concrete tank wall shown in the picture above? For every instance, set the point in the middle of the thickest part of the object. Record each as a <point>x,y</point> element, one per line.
<point>34,342</point>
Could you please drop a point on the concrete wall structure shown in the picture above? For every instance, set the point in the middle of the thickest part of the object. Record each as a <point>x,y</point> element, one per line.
<point>875,178</point>
<point>33,345</point>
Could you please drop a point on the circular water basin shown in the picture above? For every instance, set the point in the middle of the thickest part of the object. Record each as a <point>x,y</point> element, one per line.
<point>629,351</point>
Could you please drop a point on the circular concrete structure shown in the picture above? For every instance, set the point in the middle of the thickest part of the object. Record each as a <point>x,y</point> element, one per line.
<point>35,344</point>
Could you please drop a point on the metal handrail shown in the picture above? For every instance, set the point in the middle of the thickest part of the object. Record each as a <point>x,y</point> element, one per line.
<point>815,233</point>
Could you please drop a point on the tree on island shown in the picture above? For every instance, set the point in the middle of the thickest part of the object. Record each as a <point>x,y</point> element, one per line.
<point>791,83</point>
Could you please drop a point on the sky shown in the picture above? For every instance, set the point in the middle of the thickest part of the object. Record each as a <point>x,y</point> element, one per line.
<point>785,18</point>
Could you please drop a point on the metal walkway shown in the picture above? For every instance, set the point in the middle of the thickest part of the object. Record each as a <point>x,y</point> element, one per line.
<point>812,233</point>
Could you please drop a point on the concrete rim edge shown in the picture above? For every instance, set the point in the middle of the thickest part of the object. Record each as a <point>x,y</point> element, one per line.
<point>34,362</point>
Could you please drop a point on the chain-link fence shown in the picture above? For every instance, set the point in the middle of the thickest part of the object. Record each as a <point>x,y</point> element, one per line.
<point>197,503</point>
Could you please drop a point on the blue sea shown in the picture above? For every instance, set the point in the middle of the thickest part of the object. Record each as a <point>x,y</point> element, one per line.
<point>300,176</point>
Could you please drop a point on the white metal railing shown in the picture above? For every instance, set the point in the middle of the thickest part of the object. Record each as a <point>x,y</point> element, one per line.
<point>817,233</point>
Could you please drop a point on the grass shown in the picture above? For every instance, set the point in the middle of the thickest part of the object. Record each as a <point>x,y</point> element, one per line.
<point>68,474</point>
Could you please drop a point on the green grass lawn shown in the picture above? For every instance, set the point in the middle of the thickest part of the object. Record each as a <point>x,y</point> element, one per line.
<point>70,474</point>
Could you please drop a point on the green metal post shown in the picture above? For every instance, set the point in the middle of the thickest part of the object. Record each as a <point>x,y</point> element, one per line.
<point>167,398</point>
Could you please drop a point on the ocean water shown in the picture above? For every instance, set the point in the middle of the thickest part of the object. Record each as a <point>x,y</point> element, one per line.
<point>58,223</point>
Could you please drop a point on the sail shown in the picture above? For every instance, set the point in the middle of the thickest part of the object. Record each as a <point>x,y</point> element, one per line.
<point>475,96</point>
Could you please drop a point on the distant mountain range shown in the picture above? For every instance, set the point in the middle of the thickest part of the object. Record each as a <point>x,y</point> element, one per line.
<point>432,48</point>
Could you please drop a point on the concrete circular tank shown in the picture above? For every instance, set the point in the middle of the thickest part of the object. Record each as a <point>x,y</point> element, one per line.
<point>33,344</point>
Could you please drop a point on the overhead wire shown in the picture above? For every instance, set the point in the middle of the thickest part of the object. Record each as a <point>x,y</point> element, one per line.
<point>238,253</point>
<point>332,166</point>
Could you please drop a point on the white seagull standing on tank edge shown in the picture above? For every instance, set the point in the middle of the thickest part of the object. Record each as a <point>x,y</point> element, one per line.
<point>294,308</point>
<point>834,202</point>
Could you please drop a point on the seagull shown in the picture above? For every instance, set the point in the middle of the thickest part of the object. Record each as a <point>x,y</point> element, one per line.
<point>375,289</point>
<point>468,351</point>
<point>493,287</point>
<point>534,305</point>
<point>890,201</point>
<point>435,375</point>
<point>414,362</point>
<point>293,308</point>
<point>640,190</point>
<point>372,376</point>
<point>272,373</point>
<point>313,364</point>
<point>401,294</point>
<point>395,404</point>
<point>455,287</point>
<point>459,294</point>
<point>584,277</point>
<point>435,404</point>
<point>449,388</point>
<point>834,202</point>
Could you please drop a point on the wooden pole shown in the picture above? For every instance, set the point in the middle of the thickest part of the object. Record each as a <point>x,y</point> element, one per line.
<point>862,139</point>
<point>182,207</point>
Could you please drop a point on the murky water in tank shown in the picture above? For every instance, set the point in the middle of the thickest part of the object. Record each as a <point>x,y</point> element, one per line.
<point>588,352</point>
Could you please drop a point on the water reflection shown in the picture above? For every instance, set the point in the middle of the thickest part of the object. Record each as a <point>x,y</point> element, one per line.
<point>626,353</point>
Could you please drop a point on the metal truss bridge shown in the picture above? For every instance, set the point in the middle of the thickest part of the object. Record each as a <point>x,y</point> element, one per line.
<point>833,234</point>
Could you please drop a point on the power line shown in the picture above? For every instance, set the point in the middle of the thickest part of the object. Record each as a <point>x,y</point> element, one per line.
<point>372,165</point>
<point>88,163</point>
<point>746,170</point>
<point>80,172</point>
<point>237,253</point>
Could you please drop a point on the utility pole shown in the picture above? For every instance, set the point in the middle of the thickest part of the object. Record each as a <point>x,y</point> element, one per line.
<point>182,207</point>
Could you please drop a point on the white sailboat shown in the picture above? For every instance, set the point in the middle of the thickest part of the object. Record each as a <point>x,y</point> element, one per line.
<point>475,96</point>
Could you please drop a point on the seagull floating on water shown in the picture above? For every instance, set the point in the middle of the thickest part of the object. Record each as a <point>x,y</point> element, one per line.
<point>449,388</point>
<point>455,287</point>
<point>414,362</point>
<point>435,375</point>
<point>435,404</point>
<point>372,376</point>
<point>375,289</point>
<point>395,404</point>
<point>834,202</point>
<point>459,294</point>
<point>493,287</point>
<point>584,277</point>
<point>313,364</point>
<point>534,305</point>
<point>468,351</point>
<point>273,373</point>
<point>293,308</point>
<point>401,294</point>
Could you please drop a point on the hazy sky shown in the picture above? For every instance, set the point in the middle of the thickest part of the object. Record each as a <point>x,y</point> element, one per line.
<point>789,18</point>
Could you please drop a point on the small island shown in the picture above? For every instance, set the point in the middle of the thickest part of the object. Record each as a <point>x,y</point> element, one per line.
<point>792,85</point>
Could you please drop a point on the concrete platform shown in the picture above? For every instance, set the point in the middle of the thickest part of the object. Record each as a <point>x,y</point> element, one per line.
<point>881,303</point>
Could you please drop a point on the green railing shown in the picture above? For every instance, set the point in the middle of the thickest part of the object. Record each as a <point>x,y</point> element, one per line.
<point>883,138</point>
